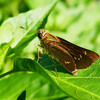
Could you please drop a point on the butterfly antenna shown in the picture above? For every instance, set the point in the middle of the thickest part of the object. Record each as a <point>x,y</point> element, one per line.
<point>26,29</point>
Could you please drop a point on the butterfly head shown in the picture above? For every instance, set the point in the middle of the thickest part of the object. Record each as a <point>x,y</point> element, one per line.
<point>41,33</point>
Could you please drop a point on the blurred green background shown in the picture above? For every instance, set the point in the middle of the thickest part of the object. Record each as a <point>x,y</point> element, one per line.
<point>77,21</point>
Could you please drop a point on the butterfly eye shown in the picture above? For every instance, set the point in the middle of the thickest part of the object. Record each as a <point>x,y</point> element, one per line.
<point>40,35</point>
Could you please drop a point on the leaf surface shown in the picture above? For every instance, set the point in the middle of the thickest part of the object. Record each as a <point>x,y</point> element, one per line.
<point>83,86</point>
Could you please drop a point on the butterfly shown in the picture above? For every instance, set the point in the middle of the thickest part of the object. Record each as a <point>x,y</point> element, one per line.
<point>71,56</point>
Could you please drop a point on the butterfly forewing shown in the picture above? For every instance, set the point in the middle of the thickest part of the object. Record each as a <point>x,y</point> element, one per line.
<point>61,55</point>
<point>83,57</point>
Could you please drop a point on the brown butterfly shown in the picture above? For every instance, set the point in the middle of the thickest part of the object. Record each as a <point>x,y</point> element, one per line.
<point>71,56</point>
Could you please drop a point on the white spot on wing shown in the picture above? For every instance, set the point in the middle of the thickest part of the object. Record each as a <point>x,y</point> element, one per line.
<point>80,56</point>
<point>85,53</point>
<point>75,58</point>
<point>67,62</point>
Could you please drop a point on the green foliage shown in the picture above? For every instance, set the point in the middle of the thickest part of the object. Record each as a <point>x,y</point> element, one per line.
<point>79,87</point>
<point>3,51</point>
<point>36,87</point>
<point>21,77</point>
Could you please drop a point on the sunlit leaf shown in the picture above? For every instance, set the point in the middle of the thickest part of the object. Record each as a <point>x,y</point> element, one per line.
<point>83,86</point>
<point>3,52</point>
<point>34,86</point>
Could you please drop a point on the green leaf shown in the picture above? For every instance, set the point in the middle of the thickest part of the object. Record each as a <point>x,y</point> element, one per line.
<point>30,20</point>
<point>3,51</point>
<point>36,3</point>
<point>13,86</point>
<point>84,86</point>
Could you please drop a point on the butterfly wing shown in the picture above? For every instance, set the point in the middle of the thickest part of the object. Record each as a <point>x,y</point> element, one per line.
<point>82,57</point>
<point>61,55</point>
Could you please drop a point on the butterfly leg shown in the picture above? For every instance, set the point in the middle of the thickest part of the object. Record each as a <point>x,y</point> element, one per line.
<point>42,51</point>
<point>54,65</point>
<point>52,61</point>
<point>37,52</point>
